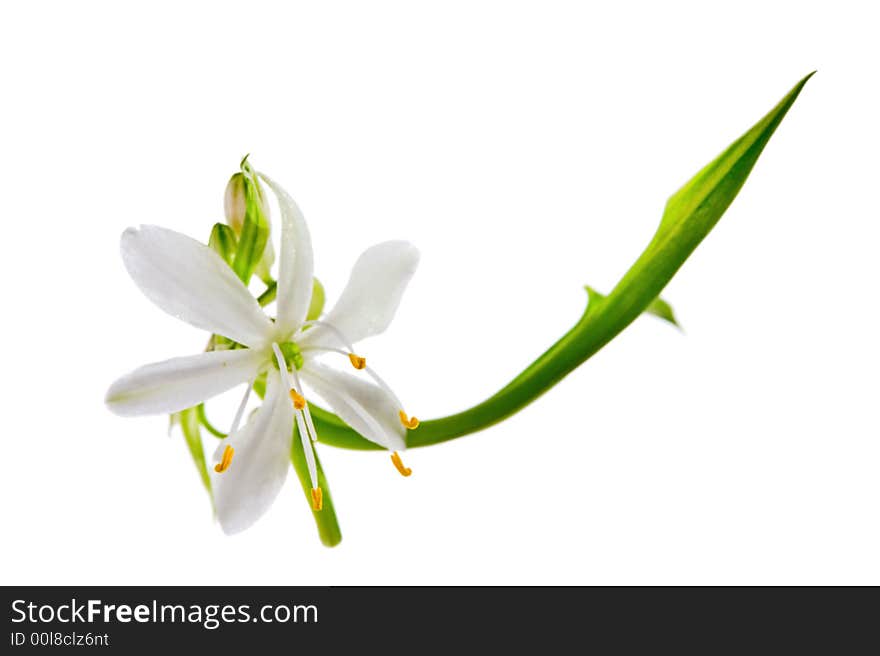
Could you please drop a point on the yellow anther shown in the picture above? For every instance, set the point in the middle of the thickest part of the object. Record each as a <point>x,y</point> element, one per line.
<point>299,401</point>
<point>410,422</point>
<point>404,471</point>
<point>225,461</point>
<point>317,498</point>
<point>357,361</point>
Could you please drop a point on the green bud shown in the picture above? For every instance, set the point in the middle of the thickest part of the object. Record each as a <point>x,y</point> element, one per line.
<point>223,241</point>
<point>247,213</point>
<point>317,304</point>
<point>235,200</point>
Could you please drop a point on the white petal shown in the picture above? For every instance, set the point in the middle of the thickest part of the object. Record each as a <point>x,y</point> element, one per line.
<point>191,282</point>
<point>364,406</point>
<point>181,383</point>
<point>371,297</point>
<point>259,465</point>
<point>295,264</point>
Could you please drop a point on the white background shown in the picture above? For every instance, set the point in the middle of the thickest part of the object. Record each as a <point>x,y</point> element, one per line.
<point>527,149</point>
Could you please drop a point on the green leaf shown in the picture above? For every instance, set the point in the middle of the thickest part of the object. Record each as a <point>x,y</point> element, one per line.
<point>223,241</point>
<point>255,231</point>
<point>189,424</point>
<point>663,310</point>
<point>690,215</point>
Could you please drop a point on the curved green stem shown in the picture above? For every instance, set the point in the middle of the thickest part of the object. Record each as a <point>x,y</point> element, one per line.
<point>203,420</point>
<point>690,215</point>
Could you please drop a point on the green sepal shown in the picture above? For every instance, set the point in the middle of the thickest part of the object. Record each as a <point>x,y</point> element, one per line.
<point>255,231</point>
<point>189,424</point>
<point>223,241</point>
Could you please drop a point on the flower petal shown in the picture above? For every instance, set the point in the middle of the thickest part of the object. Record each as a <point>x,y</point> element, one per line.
<point>180,383</point>
<point>260,462</point>
<point>371,297</point>
<point>191,282</point>
<point>364,406</point>
<point>295,264</point>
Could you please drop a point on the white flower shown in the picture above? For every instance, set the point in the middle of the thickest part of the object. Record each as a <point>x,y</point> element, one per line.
<point>191,282</point>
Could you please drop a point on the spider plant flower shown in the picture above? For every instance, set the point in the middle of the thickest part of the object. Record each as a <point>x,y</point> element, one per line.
<point>190,281</point>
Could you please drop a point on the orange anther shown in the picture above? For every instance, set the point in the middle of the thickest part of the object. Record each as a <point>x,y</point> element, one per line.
<point>404,471</point>
<point>357,361</point>
<point>410,422</point>
<point>299,401</point>
<point>225,461</point>
<point>317,498</point>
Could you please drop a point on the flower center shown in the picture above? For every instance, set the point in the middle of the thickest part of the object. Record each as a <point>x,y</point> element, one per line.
<point>293,356</point>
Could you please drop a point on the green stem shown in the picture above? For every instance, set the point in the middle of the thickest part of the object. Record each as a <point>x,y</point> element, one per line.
<point>268,295</point>
<point>325,519</point>
<point>203,420</point>
<point>690,215</point>
<point>591,333</point>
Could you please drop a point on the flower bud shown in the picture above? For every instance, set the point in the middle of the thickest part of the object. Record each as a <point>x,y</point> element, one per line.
<point>235,201</point>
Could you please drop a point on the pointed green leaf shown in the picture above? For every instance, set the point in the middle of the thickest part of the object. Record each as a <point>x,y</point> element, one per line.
<point>658,307</point>
<point>663,310</point>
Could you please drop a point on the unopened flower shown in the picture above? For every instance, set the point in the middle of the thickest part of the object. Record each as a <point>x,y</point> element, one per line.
<point>192,282</point>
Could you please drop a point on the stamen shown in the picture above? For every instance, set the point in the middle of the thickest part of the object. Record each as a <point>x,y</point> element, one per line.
<point>333,329</point>
<point>299,401</point>
<point>310,425</point>
<point>409,422</point>
<point>404,471</point>
<point>298,416</point>
<point>308,449</point>
<point>317,499</point>
<point>225,461</point>
<point>357,362</point>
